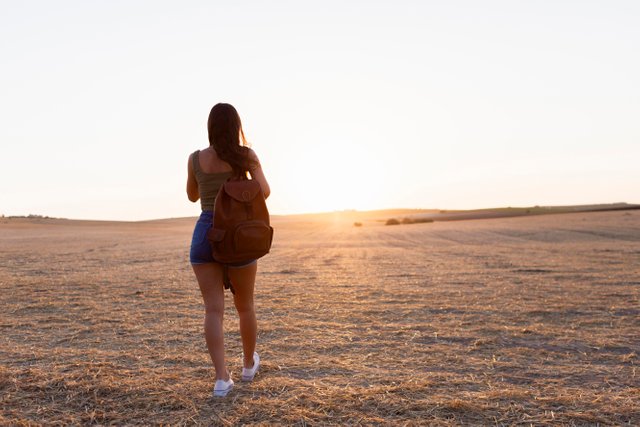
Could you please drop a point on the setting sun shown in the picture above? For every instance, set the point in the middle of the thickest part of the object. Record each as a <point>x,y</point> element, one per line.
<point>325,181</point>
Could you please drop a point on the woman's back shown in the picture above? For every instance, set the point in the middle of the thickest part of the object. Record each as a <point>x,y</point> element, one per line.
<point>210,162</point>
<point>210,172</point>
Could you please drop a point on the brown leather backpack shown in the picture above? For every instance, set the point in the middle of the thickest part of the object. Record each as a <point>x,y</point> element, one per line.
<point>241,230</point>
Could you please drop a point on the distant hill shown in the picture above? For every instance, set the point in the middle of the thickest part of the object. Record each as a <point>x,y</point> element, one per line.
<point>457,215</point>
<point>356,215</point>
<point>407,216</point>
<point>379,216</point>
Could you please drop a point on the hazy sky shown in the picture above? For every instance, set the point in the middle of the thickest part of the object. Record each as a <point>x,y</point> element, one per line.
<point>349,104</point>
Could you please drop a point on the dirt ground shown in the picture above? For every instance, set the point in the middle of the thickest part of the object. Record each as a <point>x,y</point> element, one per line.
<point>530,320</point>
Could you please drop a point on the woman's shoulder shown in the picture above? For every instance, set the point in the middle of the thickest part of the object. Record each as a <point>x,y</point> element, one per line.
<point>252,154</point>
<point>194,155</point>
<point>192,158</point>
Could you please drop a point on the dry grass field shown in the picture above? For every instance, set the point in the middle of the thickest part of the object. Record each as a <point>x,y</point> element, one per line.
<point>531,320</point>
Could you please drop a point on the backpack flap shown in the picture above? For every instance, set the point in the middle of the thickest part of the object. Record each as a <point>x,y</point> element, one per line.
<point>242,191</point>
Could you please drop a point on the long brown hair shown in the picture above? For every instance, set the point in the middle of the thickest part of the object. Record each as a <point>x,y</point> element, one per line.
<point>228,140</point>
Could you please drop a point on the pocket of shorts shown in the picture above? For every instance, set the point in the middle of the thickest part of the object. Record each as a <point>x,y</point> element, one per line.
<point>200,233</point>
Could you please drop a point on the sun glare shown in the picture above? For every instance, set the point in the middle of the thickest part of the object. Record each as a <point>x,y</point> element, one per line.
<point>331,183</point>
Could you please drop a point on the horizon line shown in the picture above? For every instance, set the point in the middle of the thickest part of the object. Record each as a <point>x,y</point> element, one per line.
<point>341,211</point>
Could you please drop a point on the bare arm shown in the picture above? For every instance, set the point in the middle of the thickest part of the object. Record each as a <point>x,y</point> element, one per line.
<point>258,175</point>
<point>192,185</point>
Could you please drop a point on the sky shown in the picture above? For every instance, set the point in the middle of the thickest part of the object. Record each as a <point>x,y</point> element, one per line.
<point>349,104</point>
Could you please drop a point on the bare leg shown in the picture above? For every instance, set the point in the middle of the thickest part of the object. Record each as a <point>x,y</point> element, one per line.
<point>243,280</point>
<point>210,281</point>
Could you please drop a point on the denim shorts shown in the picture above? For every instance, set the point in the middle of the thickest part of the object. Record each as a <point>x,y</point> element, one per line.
<point>200,252</point>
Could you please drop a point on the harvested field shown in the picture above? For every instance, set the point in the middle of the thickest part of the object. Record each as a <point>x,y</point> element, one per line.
<point>531,320</point>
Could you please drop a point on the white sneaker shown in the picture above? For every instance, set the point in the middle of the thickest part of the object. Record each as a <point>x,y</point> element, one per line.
<point>248,374</point>
<point>222,387</point>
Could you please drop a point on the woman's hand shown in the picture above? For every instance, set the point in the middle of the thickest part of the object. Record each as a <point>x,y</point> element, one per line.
<point>258,175</point>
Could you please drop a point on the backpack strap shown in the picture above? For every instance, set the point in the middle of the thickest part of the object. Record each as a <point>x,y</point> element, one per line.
<point>241,177</point>
<point>226,280</point>
<point>194,158</point>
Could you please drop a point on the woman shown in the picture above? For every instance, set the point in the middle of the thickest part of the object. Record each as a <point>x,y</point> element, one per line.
<point>226,156</point>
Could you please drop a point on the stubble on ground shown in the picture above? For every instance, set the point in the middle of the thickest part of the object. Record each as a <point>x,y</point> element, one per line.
<point>505,321</point>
